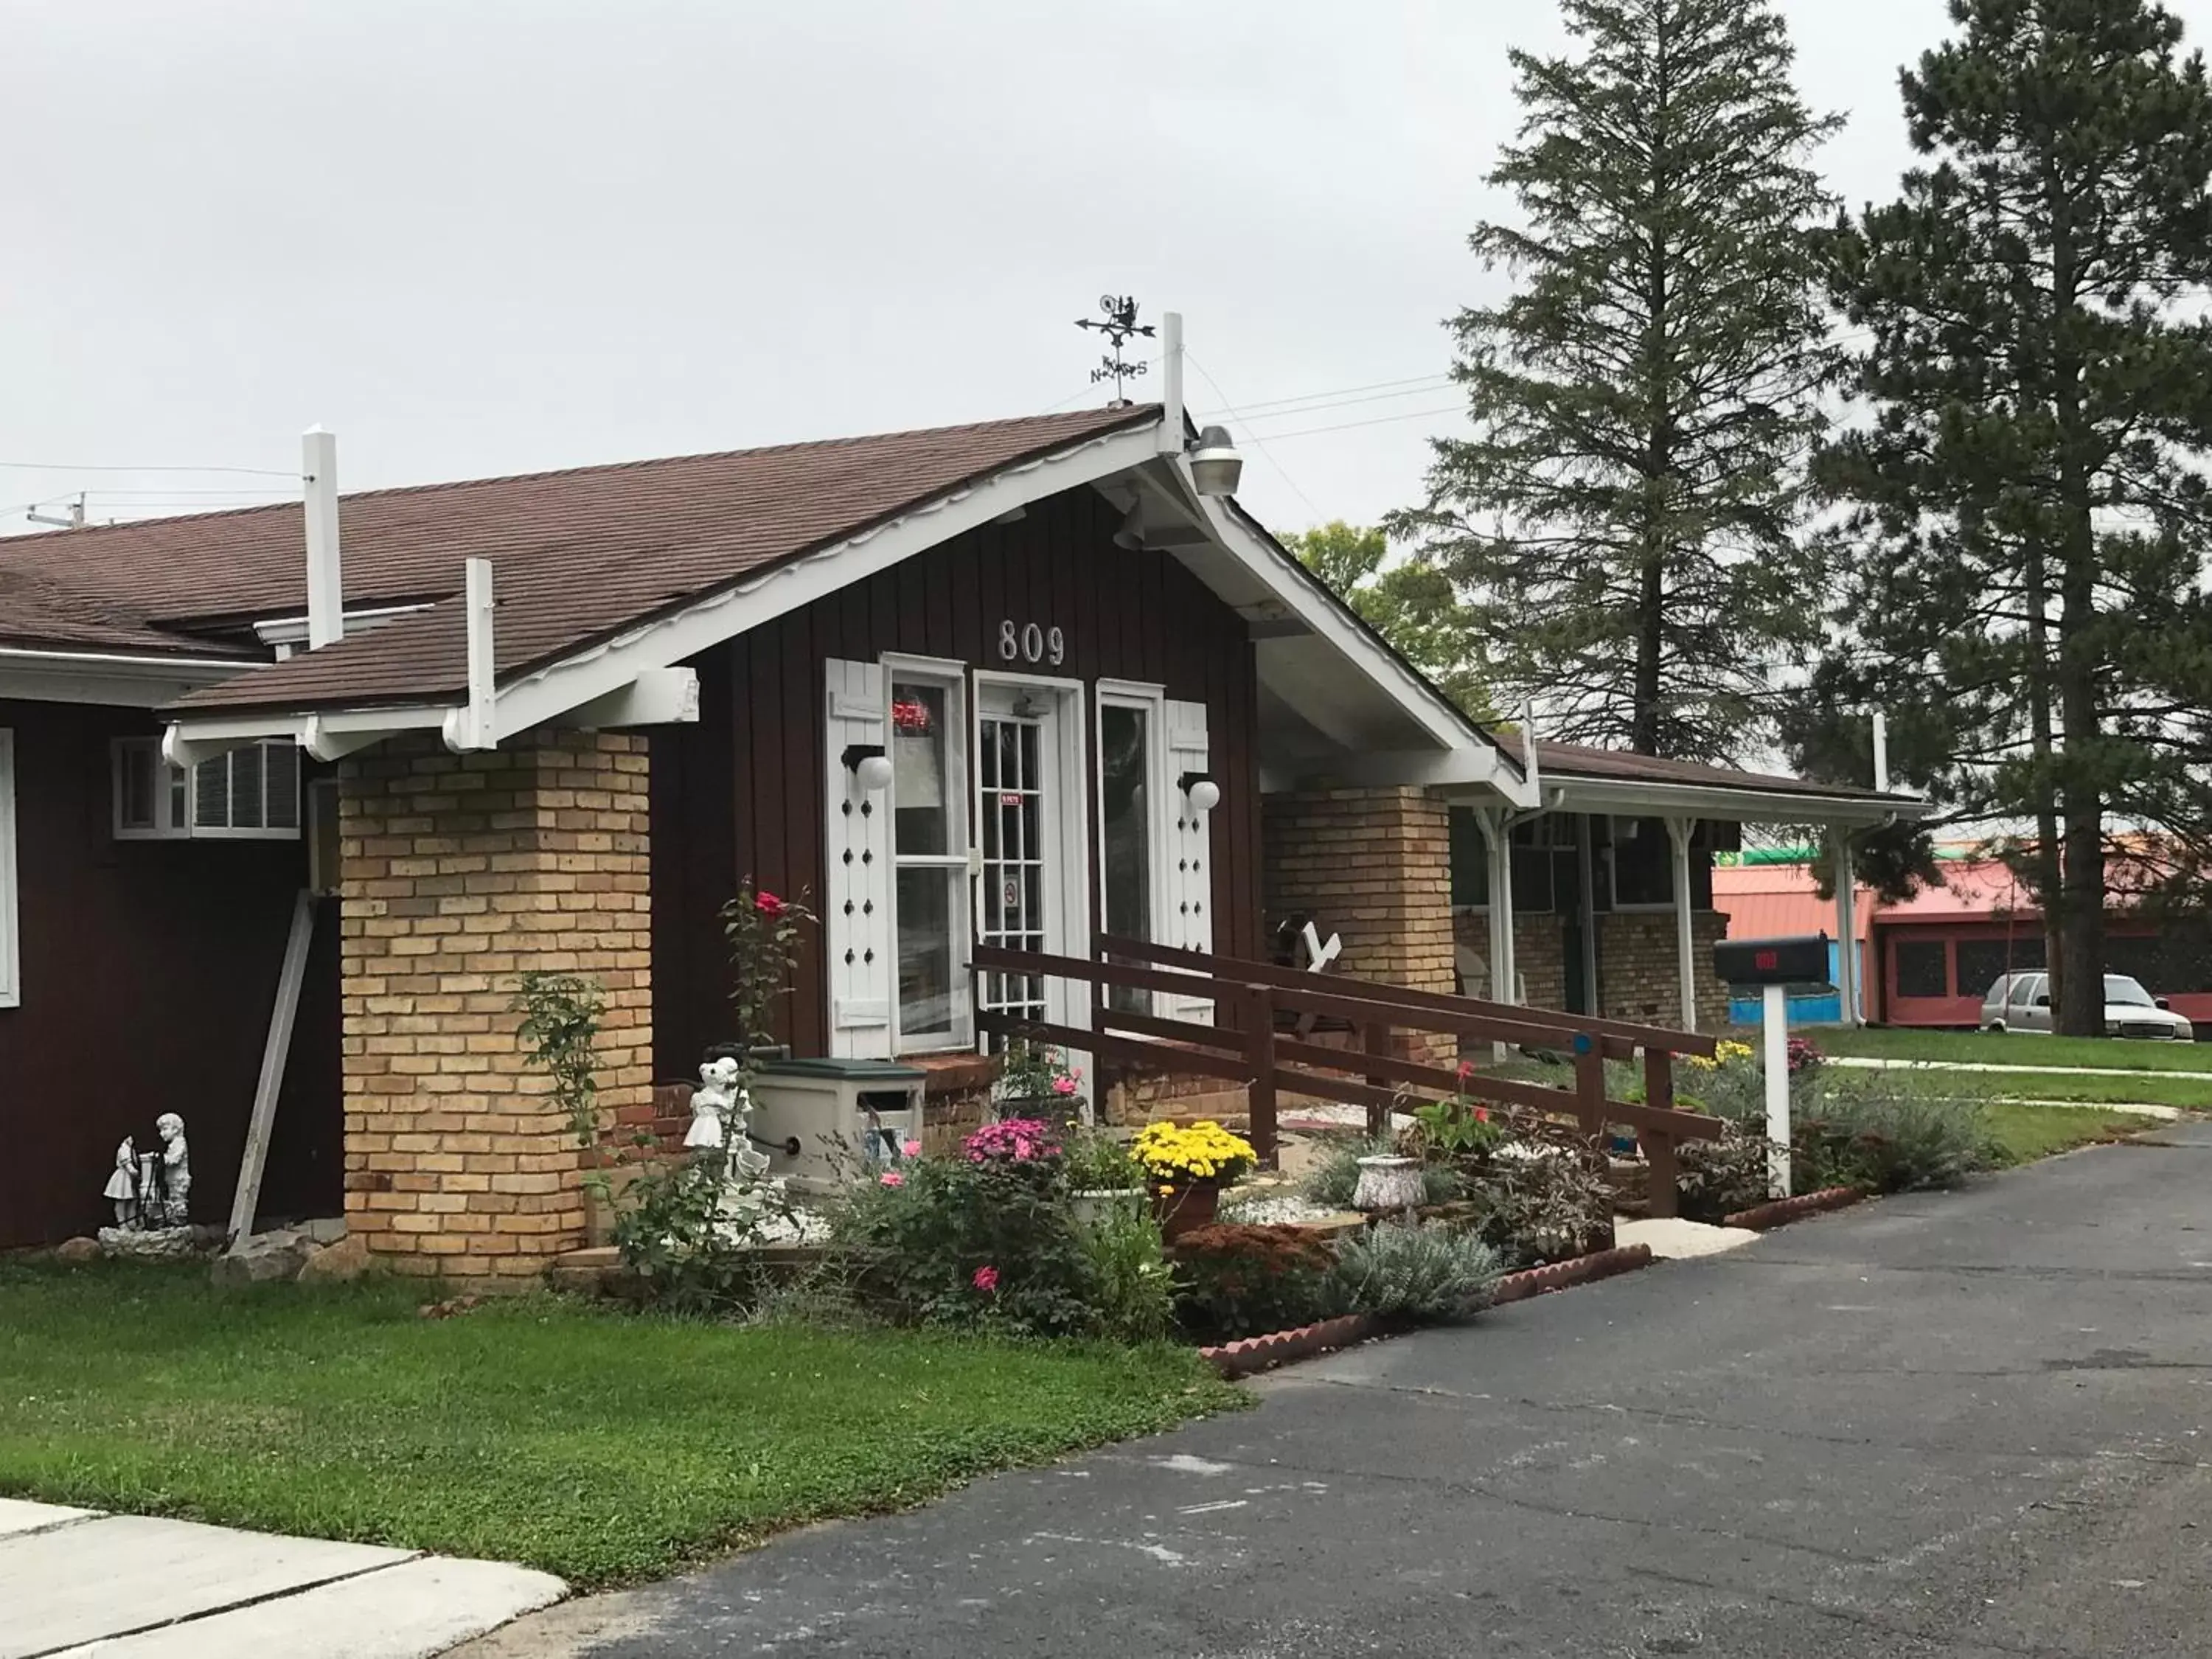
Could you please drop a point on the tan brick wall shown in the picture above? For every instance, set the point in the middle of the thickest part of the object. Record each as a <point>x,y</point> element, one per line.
<point>459,874</point>
<point>1540,955</point>
<point>1642,978</point>
<point>1373,866</point>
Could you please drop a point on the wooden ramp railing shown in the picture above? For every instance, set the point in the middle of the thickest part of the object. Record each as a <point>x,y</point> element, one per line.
<point>1245,1046</point>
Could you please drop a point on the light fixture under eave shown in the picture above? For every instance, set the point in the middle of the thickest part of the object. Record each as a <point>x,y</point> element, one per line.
<point>1202,792</point>
<point>1130,535</point>
<point>868,764</point>
<point>1215,465</point>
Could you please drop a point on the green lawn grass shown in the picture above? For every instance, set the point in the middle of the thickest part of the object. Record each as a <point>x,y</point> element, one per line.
<point>2025,1133</point>
<point>602,1446</point>
<point>2005,1048</point>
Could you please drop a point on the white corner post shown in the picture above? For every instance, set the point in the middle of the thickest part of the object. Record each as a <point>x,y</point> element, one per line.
<point>1847,929</point>
<point>1170,383</point>
<point>318,478</point>
<point>1775,1040</point>
<point>1679,831</point>
<point>1496,825</point>
<point>474,725</point>
<point>246,1197</point>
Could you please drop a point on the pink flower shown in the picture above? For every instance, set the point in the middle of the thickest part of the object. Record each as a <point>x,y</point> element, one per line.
<point>1482,1115</point>
<point>987,1280</point>
<point>910,1149</point>
<point>768,904</point>
<point>1063,1086</point>
<point>892,1178</point>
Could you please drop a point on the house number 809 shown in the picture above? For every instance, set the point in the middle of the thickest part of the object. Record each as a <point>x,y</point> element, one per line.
<point>1029,642</point>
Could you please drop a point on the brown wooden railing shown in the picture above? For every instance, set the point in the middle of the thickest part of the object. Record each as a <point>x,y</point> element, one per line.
<point>1252,999</point>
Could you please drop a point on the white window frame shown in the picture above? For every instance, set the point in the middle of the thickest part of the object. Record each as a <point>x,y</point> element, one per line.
<point>1152,702</point>
<point>960,789</point>
<point>166,825</point>
<point>1067,902</point>
<point>224,832</point>
<point>11,957</point>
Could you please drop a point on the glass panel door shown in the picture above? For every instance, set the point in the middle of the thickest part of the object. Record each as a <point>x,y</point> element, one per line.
<point>1017,811</point>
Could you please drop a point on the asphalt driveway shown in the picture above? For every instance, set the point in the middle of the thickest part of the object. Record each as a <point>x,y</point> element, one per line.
<point>1962,1425</point>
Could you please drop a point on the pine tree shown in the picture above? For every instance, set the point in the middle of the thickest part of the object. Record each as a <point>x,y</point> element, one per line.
<point>2032,520</point>
<point>1622,525</point>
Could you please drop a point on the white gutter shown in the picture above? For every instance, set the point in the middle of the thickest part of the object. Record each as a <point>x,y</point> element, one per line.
<point>211,669</point>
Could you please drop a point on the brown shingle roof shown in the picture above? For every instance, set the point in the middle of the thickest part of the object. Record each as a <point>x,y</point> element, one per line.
<point>577,555</point>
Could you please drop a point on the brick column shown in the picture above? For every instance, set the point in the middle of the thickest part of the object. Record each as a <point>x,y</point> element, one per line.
<point>460,873</point>
<point>1373,866</point>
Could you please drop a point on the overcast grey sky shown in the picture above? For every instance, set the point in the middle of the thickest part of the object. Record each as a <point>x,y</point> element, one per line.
<point>477,236</point>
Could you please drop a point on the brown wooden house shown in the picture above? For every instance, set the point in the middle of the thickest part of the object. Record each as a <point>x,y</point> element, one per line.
<point>287,808</point>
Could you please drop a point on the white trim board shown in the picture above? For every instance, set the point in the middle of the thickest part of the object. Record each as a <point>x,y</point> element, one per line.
<point>11,949</point>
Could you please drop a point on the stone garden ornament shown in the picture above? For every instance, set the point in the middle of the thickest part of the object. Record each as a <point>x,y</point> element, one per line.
<point>152,1193</point>
<point>721,1117</point>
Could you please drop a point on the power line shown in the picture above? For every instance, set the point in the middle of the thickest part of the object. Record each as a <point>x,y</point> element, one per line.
<point>1259,442</point>
<point>1413,386</point>
<point>59,466</point>
<point>1346,426</point>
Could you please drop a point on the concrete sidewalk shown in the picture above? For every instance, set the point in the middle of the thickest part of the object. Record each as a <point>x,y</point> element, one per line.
<point>1967,1425</point>
<point>76,1583</point>
<point>1866,1063</point>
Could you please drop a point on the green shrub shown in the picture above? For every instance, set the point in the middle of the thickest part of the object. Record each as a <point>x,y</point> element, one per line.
<point>1131,1292</point>
<point>1245,1281</point>
<point>1096,1162</point>
<point>1721,1177</point>
<point>1866,1129</point>
<point>1415,1273</point>
<point>1547,1207</point>
<point>1335,1175</point>
<point>977,1240</point>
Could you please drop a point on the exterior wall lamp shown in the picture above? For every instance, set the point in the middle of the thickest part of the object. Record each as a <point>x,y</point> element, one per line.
<point>1202,792</point>
<point>1215,465</point>
<point>868,764</point>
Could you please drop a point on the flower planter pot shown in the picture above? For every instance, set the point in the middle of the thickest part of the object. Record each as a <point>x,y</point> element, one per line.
<point>1190,1206</point>
<point>1094,1204</point>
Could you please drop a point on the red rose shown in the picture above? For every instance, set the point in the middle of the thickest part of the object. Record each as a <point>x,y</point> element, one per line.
<point>768,904</point>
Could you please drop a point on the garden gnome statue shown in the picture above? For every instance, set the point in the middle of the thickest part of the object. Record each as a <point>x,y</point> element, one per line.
<point>176,1170</point>
<point>123,1185</point>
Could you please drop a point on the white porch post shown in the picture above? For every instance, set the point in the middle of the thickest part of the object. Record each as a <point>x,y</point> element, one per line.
<point>1679,831</point>
<point>1497,824</point>
<point>1847,961</point>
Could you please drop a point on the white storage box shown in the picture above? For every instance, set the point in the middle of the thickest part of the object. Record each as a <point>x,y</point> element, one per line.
<point>820,1120</point>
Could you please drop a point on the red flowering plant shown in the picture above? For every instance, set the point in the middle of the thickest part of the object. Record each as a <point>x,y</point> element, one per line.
<point>1460,1129</point>
<point>763,931</point>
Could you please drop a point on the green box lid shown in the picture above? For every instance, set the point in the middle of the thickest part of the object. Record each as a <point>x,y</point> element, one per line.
<point>846,1071</point>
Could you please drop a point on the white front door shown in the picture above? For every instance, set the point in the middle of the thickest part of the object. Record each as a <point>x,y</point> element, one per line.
<point>1029,814</point>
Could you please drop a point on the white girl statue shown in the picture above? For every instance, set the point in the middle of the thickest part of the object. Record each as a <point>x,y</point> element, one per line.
<point>123,1185</point>
<point>712,1104</point>
<point>176,1169</point>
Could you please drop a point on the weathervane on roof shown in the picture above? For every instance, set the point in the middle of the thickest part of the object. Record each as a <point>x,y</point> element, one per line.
<point>1120,326</point>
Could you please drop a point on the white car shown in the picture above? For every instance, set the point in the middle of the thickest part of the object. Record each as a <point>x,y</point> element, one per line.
<point>2021,1002</point>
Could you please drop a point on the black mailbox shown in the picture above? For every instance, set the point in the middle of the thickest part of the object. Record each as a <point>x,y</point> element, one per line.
<point>1799,961</point>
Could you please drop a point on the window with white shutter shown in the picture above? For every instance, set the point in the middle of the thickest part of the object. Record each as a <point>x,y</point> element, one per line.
<point>856,914</point>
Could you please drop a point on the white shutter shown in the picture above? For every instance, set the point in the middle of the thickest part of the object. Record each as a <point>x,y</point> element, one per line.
<point>856,917</point>
<point>1187,917</point>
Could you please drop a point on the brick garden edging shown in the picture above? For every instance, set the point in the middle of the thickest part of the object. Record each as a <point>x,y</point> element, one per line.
<point>1251,1354</point>
<point>1578,1270</point>
<point>1761,1217</point>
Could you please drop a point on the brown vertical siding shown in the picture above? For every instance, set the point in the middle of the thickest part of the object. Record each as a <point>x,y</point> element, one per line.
<point>1133,616</point>
<point>149,970</point>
